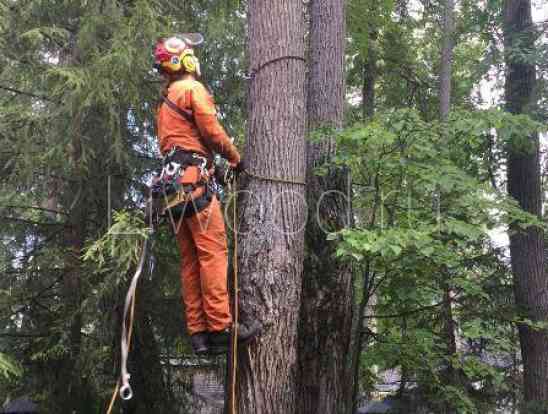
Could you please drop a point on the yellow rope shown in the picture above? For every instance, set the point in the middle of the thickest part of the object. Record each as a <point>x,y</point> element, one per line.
<point>235,284</point>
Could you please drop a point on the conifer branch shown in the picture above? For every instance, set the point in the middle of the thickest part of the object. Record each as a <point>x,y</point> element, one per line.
<point>47,210</point>
<point>32,95</point>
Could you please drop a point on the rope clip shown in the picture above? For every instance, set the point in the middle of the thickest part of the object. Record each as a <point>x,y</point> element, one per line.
<point>203,165</point>
<point>126,393</point>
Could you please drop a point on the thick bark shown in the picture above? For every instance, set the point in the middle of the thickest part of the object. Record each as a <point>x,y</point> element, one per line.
<point>526,246</point>
<point>370,78</point>
<point>450,375</point>
<point>368,90</point>
<point>401,9</point>
<point>326,312</point>
<point>446,66</point>
<point>273,213</point>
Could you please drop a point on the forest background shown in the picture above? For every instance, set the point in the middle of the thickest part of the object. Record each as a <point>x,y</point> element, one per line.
<point>428,283</point>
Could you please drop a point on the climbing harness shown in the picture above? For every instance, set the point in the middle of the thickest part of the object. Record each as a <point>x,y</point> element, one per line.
<point>185,185</point>
<point>187,181</point>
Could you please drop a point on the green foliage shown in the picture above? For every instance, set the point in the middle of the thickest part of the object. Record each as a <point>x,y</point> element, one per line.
<point>425,212</point>
<point>77,106</point>
<point>77,102</point>
<point>119,249</point>
<point>8,368</point>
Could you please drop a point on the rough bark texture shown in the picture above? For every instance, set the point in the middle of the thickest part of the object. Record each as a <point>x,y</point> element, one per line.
<point>526,246</point>
<point>450,375</point>
<point>368,90</point>
<point>370,78</point>
<point>447,58</point>
<point>273,214</point>
<point>326,312</point>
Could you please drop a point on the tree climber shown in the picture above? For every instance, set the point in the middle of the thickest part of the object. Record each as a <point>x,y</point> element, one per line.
<point>189,134</point>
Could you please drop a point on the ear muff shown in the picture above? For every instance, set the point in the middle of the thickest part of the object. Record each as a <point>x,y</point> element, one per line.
<point>185,60</point>
<point>189,61</point>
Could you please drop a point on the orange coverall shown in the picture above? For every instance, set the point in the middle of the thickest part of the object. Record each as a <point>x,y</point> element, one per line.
<point>201,237</point>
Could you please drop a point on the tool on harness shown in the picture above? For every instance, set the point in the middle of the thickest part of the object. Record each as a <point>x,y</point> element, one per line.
<point>185,185</point>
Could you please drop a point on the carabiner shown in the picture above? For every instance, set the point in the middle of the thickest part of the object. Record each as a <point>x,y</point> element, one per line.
<point>126,393</point>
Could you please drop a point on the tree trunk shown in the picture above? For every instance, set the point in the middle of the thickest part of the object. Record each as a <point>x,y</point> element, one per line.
<point>361,337</point>
<point>401,9</point>
<point>273,212</point>
<point>370,78</point>
<point>446,66</point>
<point>526,246</point>
<point>69,379</point>
<point>326,312</point>
<point>73,202</point>
<point>450,375</point>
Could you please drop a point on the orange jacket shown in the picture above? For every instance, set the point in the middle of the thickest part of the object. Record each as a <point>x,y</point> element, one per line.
<point>206,135</point>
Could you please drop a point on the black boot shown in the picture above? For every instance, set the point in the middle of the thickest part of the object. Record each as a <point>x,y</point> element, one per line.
<point>199,343</point>
<point>246,333</point>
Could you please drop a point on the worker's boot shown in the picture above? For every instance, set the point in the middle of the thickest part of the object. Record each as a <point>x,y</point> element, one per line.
<point>199,343</point>
<point>219,341</point>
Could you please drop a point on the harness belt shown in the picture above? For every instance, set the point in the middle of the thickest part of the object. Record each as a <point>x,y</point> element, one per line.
<point>186,185</point>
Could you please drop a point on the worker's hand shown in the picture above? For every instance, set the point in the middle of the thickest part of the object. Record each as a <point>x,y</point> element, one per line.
<point>220,173</point>
<point>240,167</point>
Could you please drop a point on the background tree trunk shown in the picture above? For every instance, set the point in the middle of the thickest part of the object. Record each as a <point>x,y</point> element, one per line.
<point>273,214</point>
<point>526,246</point>
<point>360,338</point>
<point>450,375</point>
<point>370,78</point>
<point>326,312</point>
<point>74,236</point>
<point>446,67</point>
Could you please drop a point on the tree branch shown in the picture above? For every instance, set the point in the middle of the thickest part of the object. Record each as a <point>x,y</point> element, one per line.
<point>32,95</point>
<point>406,313</point>
<point>35,208</point>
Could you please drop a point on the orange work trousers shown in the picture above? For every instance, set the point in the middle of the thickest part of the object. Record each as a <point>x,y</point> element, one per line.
<point>204,262</point>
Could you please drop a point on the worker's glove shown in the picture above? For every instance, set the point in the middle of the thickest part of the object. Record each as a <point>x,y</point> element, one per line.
<point>220,174</point>
<point>241,167</point>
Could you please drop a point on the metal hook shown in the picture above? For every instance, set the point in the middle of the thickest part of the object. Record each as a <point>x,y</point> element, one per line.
<point>126,393</point>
